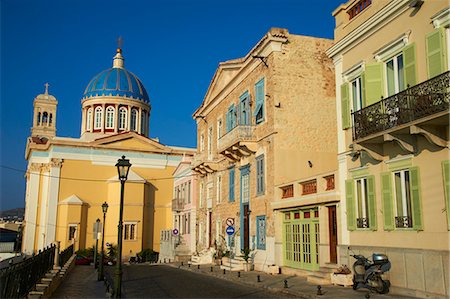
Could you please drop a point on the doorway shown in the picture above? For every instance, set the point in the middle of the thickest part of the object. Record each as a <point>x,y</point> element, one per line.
<point>332,232</point>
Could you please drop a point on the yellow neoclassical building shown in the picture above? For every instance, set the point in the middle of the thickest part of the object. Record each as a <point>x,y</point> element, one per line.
<point>68,179</point>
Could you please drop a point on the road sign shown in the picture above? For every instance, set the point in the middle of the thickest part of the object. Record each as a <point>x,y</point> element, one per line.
<point>97,230</point>
<point>230,221</point>
<point>230,230</point>
<point>175,231</point>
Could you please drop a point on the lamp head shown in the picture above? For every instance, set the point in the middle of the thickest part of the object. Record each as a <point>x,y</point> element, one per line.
<point>105,207</point>
<point>123,167</point>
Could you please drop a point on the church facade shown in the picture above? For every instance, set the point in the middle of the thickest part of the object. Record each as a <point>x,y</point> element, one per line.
<point>68,179</point>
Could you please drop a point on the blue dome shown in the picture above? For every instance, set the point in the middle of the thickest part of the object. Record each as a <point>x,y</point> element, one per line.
<point>116,82</point>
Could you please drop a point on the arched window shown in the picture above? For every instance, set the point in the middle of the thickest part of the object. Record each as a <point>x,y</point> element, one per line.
<point>50,119</point>
<point>98,118</point>
<point>110,117</point>
<point>88,119</point>
<point>143,123</point>
<point>122,118</point>
<point>134,119</point>
<point>44,118</point>
<point>39,119</point>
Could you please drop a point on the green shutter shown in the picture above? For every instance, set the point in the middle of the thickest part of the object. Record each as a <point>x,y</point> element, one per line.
<point>373,83</point>
<point>436,56</point>
<point>350,200</point>
<point>372,212</point>
<point>415,198</point>
<point>446,177</point>
<point>363,89</point>
<point>409,56</point>
<point>345,106</point>
<point>386,197</point>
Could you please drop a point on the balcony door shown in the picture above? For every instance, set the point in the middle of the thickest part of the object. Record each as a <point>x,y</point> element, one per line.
<point>244,109</point>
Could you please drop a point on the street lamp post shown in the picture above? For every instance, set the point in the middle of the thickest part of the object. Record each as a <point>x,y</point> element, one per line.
<point>97,223</point>
<point>123,166</point>
<point>100,272</point>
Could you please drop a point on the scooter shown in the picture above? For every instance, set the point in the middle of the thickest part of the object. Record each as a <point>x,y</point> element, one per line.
<point>367,274</point>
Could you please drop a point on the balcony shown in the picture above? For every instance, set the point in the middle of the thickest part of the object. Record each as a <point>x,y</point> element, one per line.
<point>420,109</point>
<point>177,204</point>
<point>238,143</point>
<point>202,164</point>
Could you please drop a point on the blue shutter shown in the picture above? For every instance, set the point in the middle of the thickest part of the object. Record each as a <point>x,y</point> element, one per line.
<point>260,175</point>
<point>261,232</point>
<point>231,186</point>
<point>259,98</point>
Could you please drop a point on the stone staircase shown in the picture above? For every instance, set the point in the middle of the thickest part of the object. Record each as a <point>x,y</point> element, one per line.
<point>182,252</point>
<point>236,264</point>
<point>202,258</point>
<point>323,275</point>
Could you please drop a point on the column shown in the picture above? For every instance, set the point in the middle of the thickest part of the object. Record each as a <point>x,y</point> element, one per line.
<point>83,120</point>
<point>43,206</point>
<point>139,121</point>
<point>103,118</point>
<point>116,118</point>
<point>31,200</point>
<point>92,118</point>
<point>53,194</point>
<point>129,118</point>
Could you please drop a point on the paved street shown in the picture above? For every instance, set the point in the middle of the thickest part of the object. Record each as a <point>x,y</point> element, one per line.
<point>158,281</point>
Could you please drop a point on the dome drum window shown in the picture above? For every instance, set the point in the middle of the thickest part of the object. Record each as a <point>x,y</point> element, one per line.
<point>98,118</point>
<point>89,119</point>
<point>122,118</point>
<point>134,114</point>
<point>110,111</point>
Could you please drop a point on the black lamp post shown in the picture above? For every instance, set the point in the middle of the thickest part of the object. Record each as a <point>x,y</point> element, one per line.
<point>100,272</point>
<point>123,166</point>
<point>97,225</point>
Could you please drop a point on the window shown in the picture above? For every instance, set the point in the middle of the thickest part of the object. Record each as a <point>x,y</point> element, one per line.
<point>401,198</point>
<point>357,96</point>
<point>210,133</point>
<point>330,182</point>
<point>50,119</point>
<point>287,191</point>
<point>244,108</point>
<point>73,231</point>
<point>89,119</point>
<point>189,192</point>
<point>309,187</point>
<point>189,223</point>
<point>261,232</point>
<point>45,118</point>
<point>98,118</point>
<point>110,117</point>
<point>134,114</point>
<point>231,118</point>
<point>219,189</point>
<point>122,118</point>
<point>231,185</point>
<point>245,183</point>
<point>129,232</point>
<point>362,220</point>
<point>395,79</point>
<point>202,143</point>
<point>200,197</point>
<point>39,118</point>
<point>219,129</point>
<point>259,99</point>
<point>357,8</point>
<point>260,175</point>
<point>402,194</point>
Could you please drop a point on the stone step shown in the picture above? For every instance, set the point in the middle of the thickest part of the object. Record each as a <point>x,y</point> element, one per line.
<point>319,280</point>
<point>239,267</point>
<point>38,293</point>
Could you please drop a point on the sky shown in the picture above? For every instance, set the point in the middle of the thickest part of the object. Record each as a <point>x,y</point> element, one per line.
<point>173,46</point>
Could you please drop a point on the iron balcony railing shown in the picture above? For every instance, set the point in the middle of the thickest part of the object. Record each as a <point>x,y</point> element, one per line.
<point>177,204</point>
<point>424,99</point>
<point>238,133</point>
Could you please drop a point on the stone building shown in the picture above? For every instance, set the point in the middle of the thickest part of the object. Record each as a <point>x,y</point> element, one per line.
<point>266,155</point>
<point>68,179</point>
<point>392,96</point>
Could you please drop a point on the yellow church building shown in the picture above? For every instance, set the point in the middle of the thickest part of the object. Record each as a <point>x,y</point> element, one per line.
<point>68,179</point>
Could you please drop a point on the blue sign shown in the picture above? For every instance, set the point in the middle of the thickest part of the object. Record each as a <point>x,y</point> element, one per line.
<point>230,230</point>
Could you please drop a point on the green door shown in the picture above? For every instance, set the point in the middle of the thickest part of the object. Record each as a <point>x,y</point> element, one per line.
<point>301,239</point>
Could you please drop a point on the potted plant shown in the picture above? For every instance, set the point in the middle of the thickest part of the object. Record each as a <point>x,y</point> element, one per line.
<point>246,255</point>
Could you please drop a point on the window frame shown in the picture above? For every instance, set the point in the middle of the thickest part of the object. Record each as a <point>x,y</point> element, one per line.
<point>126,233</point>
<point>71,236</point>
<point>406,199</point>
<point>110,116</point>
<point>260,175</point>
<point>123,118</point>
<point>134,119</point>
<point>89,119</point>
<point>259,113</point>
<point>98,117</point>
<point>261,242</point>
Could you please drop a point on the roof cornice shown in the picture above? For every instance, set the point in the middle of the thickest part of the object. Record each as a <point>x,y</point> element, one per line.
<point>383,16</point>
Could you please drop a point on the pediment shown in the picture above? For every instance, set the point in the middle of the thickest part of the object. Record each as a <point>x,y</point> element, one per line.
<point>72,200</point>
<point>131,141</point>
<point>223,76</point>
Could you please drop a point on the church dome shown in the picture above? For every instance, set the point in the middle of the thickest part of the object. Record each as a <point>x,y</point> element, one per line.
<point>116,81</point>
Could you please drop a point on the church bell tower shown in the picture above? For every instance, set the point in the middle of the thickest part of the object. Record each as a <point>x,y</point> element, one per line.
<point>44,117</point>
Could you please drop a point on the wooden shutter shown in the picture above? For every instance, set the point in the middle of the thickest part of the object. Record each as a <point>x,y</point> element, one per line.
<point>416,204</point>
<point>363,89</point>
<point>345,106</point>
<point>409,56</point>
<point>373,83</point>
<point>231,185</point>
<point>388,204</point>
<point>350,200</point>
<point>372,212</point>
<point>259,99</point>
<point>446,177</point>
<point>436,56</point>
